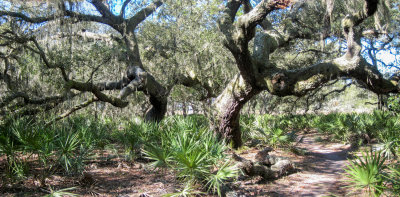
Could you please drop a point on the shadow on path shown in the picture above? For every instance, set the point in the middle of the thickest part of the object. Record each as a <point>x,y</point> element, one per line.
<point>321,173</point>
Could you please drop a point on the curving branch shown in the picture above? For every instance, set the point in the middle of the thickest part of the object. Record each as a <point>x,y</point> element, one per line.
<point>112,85</point>
<point>32,106</point>
<point>323,96</point>
<point>135,20</point>
<point>351,21</point>
<point>301,81</point>
<point>89,87</point>
<point>370,7</point>
<point>250,20</point>
<point>257,73</point>
<point>34,101</point>
<point>28,18</point>
<point>33,111</point>
<point>137,80</point>
<point>192,81</point>
<point>24,40</point>
<point>43,19</point>
<point>93,18</point>
<point>238,35</point>
<point>107,17</point>
<point>103,9</point>
<point>336,91</point>
<point>225,24</point>
<point>123,7</point>
<point>73,109</point>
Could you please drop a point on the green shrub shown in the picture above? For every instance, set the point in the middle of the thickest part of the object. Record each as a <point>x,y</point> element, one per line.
<point>217,180</point>
<point>247,126</point>
<point>367,173</point>
<point>394,103</point>
<point>130,138</point>
<point>61,192</point>
<point>394,179</point>
<point>192,151</point>
<point>274,131</point>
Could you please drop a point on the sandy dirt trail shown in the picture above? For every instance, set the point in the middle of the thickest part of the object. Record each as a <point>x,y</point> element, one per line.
<point>321,174</point>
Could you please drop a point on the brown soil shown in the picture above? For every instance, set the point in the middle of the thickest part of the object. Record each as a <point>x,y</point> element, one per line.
<point>319,174</point>
<point>102,177</point>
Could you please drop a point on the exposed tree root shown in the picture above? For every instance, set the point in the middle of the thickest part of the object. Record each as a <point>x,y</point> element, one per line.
<point>267,166</point>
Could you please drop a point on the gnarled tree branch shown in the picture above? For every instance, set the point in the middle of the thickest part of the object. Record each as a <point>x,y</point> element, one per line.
<point>39,101</point>
<point>143,14</point>
<point>89,87</point>
<point>123,7</point>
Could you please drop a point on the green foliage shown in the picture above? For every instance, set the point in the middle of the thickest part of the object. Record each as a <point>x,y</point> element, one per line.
<point>394,103</point>
<point>66,145</point>
<point>71,151</point>
<point>277,131</point>
<point>371,173</point>
<point>367,173</point>
<point>224,173</point>
<point>189,148</point>
<point>130,139</point>
<point>277,136</point>
<point>187,191</point>
<point>361,128</point>
<point>61,193</point>
<point>394,179</point>
<point>160,157</point>
<point>23,137</point>
<point>94,133</point>
<point>356,129</point>
<point>247,125</point>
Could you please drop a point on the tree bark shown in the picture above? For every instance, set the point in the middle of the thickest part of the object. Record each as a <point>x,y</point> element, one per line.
<point>228,106</point>
<point>184,110</point>
<point>144,81</point>
<point>158,109</point>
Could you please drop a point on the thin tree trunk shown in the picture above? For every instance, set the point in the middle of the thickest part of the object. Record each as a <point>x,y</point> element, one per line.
<point>381,102</point>
<point>173,109</point>
<point>184,109</point>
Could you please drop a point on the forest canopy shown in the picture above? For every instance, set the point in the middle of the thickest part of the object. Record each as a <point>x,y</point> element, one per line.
<point>155,56</point>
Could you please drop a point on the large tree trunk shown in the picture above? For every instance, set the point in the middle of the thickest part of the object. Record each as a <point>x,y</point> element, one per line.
<point>158,109</point>
<point>142,80</point>
<point>228,106</point>
<point>158,97</point>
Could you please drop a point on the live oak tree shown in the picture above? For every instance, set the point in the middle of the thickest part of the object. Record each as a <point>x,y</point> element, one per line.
<point>182,47</point>
<point>116,43</point>
<point>258,37</point>
<point>136,77</point>
<point>258,73</point>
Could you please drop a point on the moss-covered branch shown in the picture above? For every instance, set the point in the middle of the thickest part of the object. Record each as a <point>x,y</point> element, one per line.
<point>299,82</point>
<point>89,87</point>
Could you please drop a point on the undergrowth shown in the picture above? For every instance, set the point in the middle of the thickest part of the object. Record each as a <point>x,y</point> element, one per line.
<point>186,146</point>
